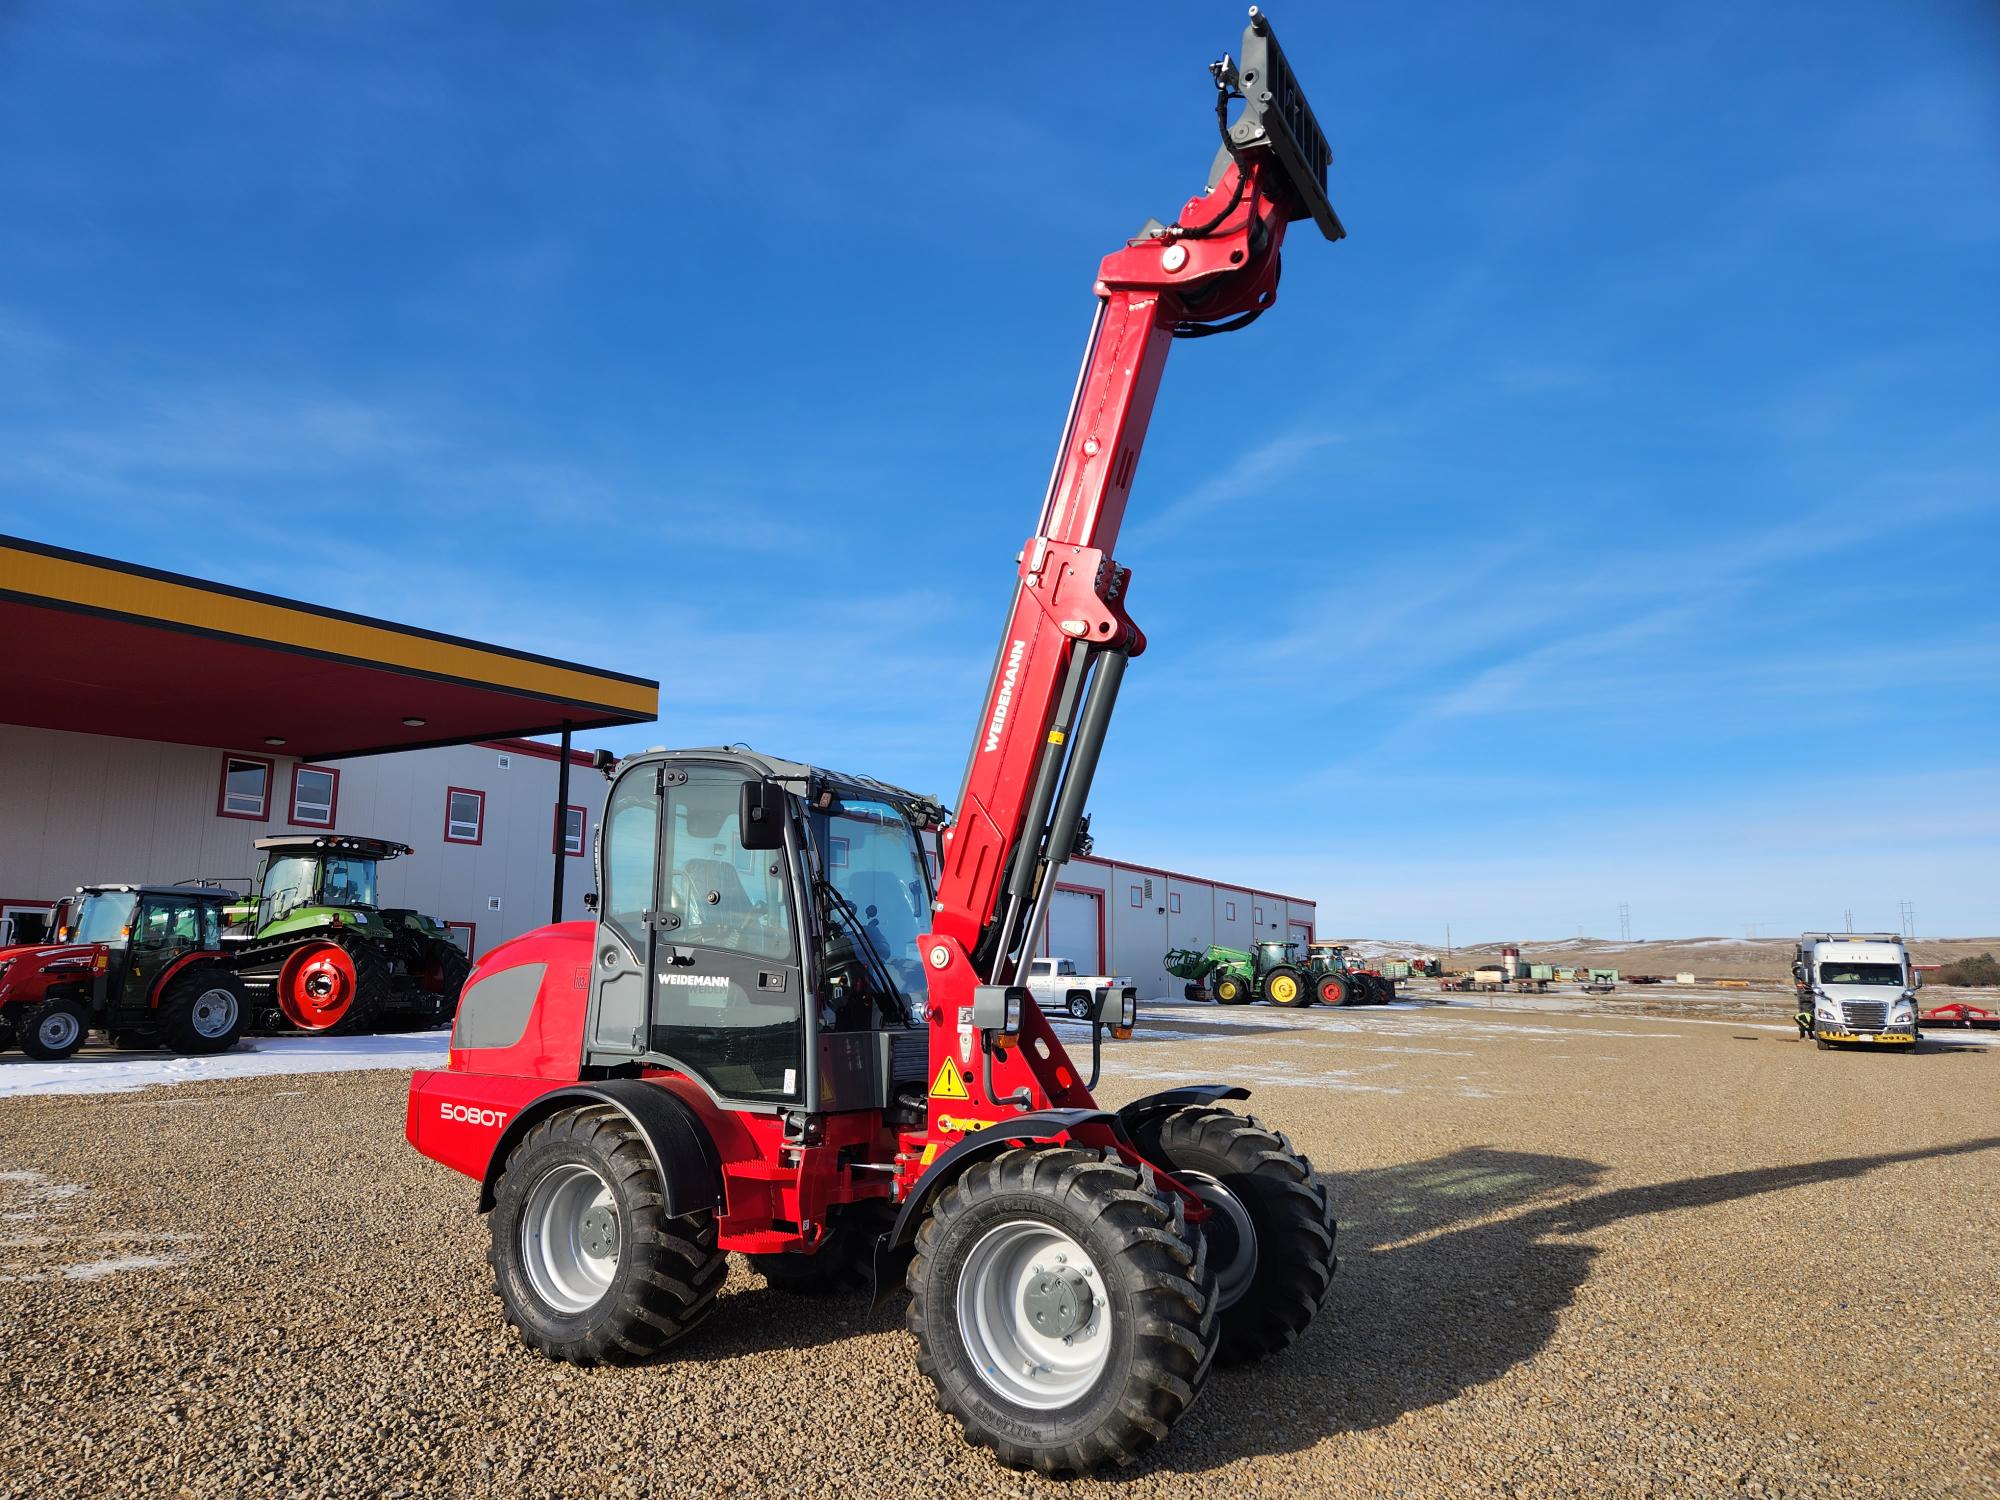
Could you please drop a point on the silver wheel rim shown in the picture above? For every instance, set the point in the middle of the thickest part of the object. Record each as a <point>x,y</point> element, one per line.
<point>1021,1274</point>
<point>570,1238</point>
<point>1231,1280</point>
<point>214,1013</point>
<point>59,1029</point>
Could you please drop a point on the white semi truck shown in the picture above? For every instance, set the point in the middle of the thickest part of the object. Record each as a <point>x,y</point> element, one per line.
<point>1856,988</point>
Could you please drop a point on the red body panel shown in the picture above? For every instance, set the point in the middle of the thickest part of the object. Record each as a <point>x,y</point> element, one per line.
<point>33,969</point>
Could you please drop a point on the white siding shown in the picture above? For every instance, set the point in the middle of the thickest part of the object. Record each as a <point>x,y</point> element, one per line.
<point>78,808</point>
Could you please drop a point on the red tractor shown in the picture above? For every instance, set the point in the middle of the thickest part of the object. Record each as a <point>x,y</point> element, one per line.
<point>143,963</point>
<point>778,1038</point>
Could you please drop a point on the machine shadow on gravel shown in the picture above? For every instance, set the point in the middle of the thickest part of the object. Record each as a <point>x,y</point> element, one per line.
<point>1424,1311</point>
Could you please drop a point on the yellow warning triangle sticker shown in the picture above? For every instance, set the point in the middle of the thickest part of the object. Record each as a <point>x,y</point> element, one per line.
<point>949,1083</point>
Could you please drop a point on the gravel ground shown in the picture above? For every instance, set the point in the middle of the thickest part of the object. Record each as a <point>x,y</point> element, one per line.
<point>1583,1255</point>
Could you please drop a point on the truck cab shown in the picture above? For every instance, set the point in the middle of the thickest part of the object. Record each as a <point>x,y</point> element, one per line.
<point>1855,989</point>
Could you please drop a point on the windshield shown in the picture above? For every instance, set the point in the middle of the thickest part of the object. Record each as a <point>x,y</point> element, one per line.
<point>1845,971</point>
<point>103,916</point>
<point>870,855</point>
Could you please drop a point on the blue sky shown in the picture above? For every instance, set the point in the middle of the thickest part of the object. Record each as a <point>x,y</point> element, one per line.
<point>1612,518</point>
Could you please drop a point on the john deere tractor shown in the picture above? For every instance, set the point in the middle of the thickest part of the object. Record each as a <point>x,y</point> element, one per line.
<point>320,954</point>
<point>1236,976</point>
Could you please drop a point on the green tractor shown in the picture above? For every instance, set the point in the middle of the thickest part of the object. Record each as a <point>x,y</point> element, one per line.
<point>320,954</point>
<point>1236,976</point>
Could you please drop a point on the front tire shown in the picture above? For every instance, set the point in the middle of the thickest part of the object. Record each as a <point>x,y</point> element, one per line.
<point>1062,1309</point>
<point>332,987</point>
<point>204,1010</point>
<point>55,1029</point>
<point>1228,988</point>
<point>587,1265</point>
<point>1333,989</point>
<point>1270,1230</point>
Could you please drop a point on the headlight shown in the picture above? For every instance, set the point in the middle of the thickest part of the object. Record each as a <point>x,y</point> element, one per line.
<point>1825,1009</point>
<point>1904,1011</point>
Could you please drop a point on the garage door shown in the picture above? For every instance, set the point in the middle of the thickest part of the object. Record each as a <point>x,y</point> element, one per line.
<point>1075,930</point>
<point>1302,934</point>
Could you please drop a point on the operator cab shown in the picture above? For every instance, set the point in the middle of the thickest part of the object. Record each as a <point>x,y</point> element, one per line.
<point>757,930</point>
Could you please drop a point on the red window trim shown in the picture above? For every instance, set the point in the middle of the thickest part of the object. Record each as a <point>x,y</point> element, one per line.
<point>557,845</point>
<point>471,936</point>
<point>332,802</point>
<point>470,791</point>
<point>222,787</point>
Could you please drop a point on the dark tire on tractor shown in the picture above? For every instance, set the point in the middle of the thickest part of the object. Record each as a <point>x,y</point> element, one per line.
<point>844,1264</point>
<point>587,1264</point>
<point>7,1037</point>
<point>333,986</point>
<point>1063,1276</point>
<point>447,968</point>
<point>54,1029</point>
<point>1333,989</point>
<point>1194,991</point>
<point>1228,988</point>
<point>1258,1189</point>
<point>204,1009</point>
<point>1286,986</point>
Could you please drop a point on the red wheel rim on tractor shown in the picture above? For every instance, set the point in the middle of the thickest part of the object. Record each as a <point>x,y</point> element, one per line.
<point>317,986</point>
<point>1331,990</point>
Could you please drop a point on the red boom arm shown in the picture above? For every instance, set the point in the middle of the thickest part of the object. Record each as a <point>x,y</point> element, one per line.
<point>1214,270</point>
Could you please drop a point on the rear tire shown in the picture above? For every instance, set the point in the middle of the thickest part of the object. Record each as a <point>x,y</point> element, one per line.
<point>1228,989</point>
<point>55,1029</point>
<point>1077,1004</point>
<point>1286,986</point>
<point>586,1262</point>
<point>204,1010</point>
<point>1062,1308</point>
<point>1261,1191</point>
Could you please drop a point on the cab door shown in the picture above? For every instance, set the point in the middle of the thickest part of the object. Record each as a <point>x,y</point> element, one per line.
<point>700,966</point>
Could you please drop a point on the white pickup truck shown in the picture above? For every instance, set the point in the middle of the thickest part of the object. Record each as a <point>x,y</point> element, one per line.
<point>1058,987</point>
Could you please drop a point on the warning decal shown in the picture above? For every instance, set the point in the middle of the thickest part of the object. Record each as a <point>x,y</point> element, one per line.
<point>949,1083</point>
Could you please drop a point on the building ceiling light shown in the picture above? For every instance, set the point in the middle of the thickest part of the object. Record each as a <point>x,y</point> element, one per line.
<point>415,722</point>
<point>274,739</point>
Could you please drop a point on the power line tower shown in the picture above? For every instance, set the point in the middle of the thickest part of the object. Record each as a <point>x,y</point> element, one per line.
<point>1909,910</point>
<point>1624,922</point>
<point>1848,916</point>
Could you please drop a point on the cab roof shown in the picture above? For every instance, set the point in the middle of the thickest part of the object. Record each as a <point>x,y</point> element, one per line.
<point>805,780</point>
<point>187,892</point>
<point>336,843</point>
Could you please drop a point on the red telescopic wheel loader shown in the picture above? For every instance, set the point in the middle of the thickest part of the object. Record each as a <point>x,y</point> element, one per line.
<point>777,1037</point>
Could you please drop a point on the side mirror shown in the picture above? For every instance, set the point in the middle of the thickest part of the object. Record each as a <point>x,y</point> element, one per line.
<point>1118,1009</point>
<point>590,901</point>
<point>997,1007</point>
<point>760,816</point>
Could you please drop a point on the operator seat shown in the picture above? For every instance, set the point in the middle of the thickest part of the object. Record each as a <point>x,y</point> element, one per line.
<point>731,907</point>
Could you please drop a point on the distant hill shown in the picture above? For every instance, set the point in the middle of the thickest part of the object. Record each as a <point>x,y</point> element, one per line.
<point>1703,957</point>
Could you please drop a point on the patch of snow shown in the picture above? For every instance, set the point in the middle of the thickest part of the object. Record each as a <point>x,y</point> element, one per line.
<point>110,1072</point>
<point>91,1270</point>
